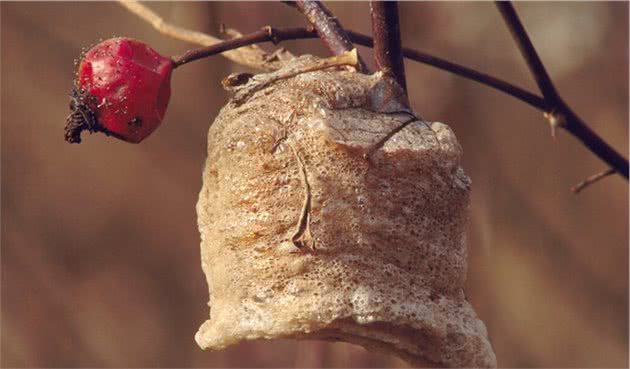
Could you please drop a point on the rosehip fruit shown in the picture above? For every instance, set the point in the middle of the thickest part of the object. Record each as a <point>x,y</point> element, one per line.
<point>122,88</point>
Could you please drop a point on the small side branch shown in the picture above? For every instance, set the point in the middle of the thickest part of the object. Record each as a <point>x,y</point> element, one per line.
<point>596,144</point>
<point>388,54</point>
<point>590,180</point>
<point>328,27</point>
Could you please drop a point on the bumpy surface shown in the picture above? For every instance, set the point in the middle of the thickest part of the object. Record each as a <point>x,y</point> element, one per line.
<point>381,259</point>
<point>128,85</point>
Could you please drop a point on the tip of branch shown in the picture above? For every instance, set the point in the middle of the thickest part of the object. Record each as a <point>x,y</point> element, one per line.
<point>349,58</point>
<point>590,180</point>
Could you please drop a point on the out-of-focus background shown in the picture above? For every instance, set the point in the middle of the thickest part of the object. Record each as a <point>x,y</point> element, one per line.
<point>100,250</point>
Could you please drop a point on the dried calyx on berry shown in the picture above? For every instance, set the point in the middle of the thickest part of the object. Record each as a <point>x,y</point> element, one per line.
<point>122,89</point>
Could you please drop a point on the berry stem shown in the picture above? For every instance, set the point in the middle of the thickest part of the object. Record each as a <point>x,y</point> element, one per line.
<point>266,34</point>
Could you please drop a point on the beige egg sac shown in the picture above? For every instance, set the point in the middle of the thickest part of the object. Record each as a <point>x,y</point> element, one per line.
<point>311,229</point>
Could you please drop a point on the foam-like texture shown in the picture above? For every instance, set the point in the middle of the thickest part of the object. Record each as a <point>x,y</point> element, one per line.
<point>381,259</point>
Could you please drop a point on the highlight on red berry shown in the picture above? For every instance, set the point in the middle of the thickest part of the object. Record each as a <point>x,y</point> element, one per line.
<point>122,89</point>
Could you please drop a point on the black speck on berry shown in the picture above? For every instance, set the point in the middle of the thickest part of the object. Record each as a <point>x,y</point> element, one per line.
<point>136,122</point>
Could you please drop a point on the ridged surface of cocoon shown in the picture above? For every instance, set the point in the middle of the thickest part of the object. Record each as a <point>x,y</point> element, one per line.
<point>306,233</point>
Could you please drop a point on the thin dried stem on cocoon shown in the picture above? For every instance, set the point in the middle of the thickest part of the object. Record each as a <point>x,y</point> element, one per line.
<point>309,232</point>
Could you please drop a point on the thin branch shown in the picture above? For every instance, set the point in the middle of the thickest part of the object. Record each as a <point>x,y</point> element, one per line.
<point>267,34</point>
<point>559,111</point>
<point>251,57</point>
<point>590,180</point>
<point>388,55</point>
<point>528,51</point>
<point>328,27</point>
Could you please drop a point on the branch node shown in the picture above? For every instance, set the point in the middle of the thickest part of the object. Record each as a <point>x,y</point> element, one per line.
<point>555,120</point>
<point>271,32</point>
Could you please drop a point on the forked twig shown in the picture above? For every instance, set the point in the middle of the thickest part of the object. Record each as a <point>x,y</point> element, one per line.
<point>559,111</point>
<point>528,51</point>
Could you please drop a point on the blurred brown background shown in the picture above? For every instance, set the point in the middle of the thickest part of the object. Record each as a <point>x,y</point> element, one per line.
<point>100,258</point>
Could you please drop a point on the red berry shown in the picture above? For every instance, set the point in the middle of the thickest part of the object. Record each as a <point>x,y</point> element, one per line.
<point>122,88</point>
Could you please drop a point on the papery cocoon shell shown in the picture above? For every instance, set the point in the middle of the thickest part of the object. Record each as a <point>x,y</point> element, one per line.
<point>305,237</point>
